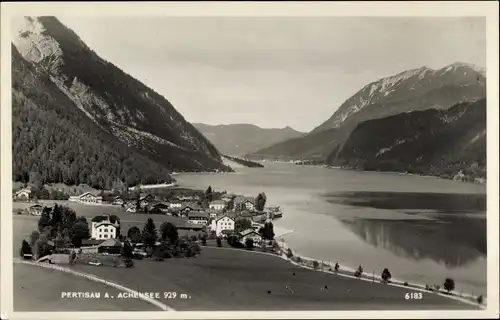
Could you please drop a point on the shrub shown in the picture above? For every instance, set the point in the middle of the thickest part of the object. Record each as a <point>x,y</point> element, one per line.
<point>25,248</point>
<point>337,267</point>
<point>449,285</point>
<point>405,284</point>
<point>219,242</point>
<point>138,256</point>
<point>480,299</point>
<point>315,264</point>
<point>289,253</point>
<point>194,238</point>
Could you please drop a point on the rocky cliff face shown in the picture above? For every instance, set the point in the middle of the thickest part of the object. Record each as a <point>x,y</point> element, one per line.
<point>113,100</point>
<point>411,90</point>
<point>448,143</point>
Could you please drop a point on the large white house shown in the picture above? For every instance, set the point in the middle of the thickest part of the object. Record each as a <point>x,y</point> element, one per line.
<point>103,230</point>
<point>217,205</point>
<point>87,198</point>
<point>224,222</point>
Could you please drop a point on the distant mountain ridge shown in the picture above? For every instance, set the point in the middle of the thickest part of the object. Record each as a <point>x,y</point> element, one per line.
<point>132,115</point>
<point>240,138</point>
<point>411,90</point>
<point>447,143</point>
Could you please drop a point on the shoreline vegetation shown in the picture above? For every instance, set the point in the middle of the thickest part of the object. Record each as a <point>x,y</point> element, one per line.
<point>244,162</point>
<point>458,177</point>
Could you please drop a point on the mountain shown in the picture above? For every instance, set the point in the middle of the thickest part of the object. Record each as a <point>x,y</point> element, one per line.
<point>411,90</point>
<point>241,139</point>
<point>448,143</point>
<point>109,123</point>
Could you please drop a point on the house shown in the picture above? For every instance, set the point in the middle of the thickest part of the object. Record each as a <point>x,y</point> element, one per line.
<point>91,242</point>
<point>224,222</point>
<point>103,228</point>
<point>159,207</point>
<point>213,214</point>
<point>132,209</point>
<point>188,207</point>
<point>244,203</point>
<point>175,204</point>
<point>198,217</point>
<point>87,198</point>
<point>250,234</point>
<point>36,210</point>
<point>118,200</point>
<point>217,205</point>
<point>112,246</point>
<point>23,195</point>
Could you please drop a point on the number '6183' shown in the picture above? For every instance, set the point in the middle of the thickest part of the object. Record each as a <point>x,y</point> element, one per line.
<point>413,296</point>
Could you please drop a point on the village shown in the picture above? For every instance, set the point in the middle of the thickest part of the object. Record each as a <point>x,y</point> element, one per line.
<point>242,221</point>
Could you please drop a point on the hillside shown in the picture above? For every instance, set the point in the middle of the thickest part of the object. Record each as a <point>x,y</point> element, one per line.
<point>124,129</point>
<point>241,139</point>
<point>411,90</point>
<point>244,162</point>
<point>448,143</point>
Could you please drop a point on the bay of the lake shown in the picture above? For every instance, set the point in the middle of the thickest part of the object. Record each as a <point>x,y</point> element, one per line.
<point>424,229</point>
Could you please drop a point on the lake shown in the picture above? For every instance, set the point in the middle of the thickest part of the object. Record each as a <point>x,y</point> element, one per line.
<point>424,229</point>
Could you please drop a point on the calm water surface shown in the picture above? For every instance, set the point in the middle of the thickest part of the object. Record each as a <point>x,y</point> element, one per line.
<point>423,229</point>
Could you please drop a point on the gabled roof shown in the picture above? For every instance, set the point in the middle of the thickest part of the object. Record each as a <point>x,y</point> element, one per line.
<point>110,243</point>
<point>106,222</point>
<point>192,206</point>
<point>247,232</point>
<point>242,199</point>
<point>201,214</point>
<point>24,190</point>
<point>218,202</point>
<point>36,206</point>
<point>224,215</point>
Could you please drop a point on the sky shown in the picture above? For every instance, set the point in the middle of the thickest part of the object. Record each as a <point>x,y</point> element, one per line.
<point>274,71</point>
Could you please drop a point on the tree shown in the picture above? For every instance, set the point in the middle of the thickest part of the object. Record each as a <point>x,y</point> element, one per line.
<point>336,268</point>
<point>449,284</point>
<point>204,239</point>
<point>219,242</point>
<point>242,224</point>
<point>169,231</point>
<point>162,251</point>
<point>209,194</point>
<point>249,243</point>
<point>386,275</point>
<point>44,220</point>
<point>127,251</point>
<point>315,264</point>
<point>149,233</point>
<point>289,253</point>
<point>267,231</point>
<point>359,272</point>
<point>41,247</point>
<point>230,205</point>
<point>34,237</point>
<point>260,201</point>
<point>134,234</point>
<point>25,248</point>
<point>79,232</point>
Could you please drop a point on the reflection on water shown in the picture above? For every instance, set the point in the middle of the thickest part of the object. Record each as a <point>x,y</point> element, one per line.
<point>421,239</point>
<point>439,202</point>
<point>446,221</point>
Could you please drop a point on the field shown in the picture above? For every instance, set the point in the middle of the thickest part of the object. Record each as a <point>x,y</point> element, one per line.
<point>39,289</point>
<point>228,279</point>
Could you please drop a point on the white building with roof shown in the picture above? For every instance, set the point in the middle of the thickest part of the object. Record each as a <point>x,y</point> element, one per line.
<point>222,223</point>
<point>105,229</point>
